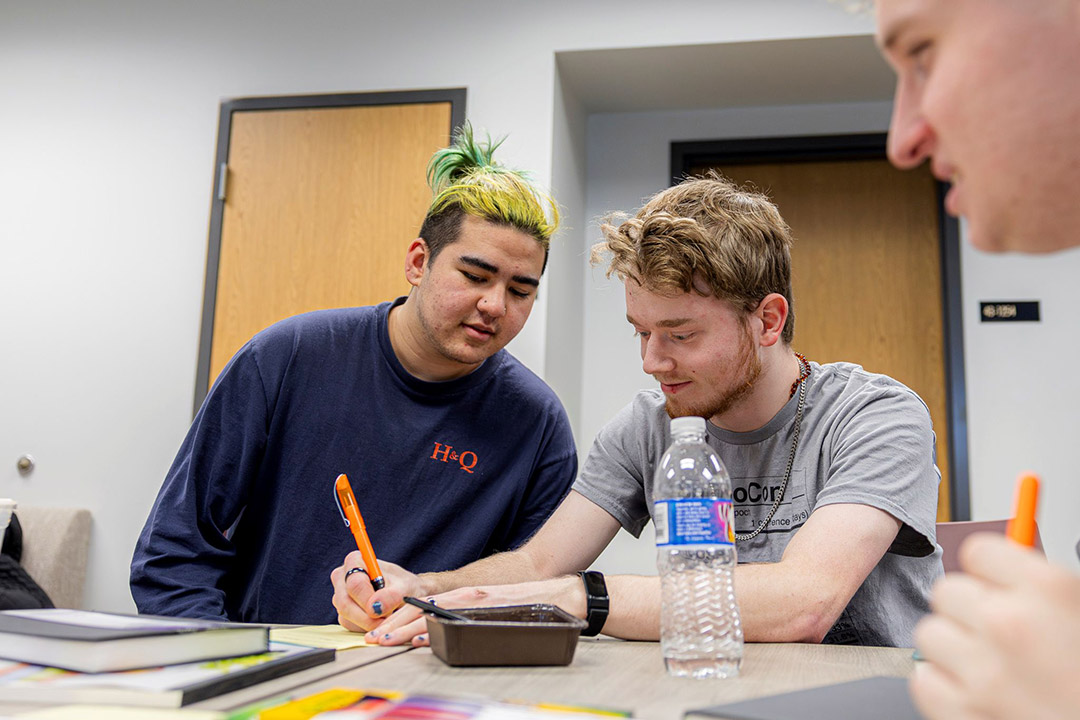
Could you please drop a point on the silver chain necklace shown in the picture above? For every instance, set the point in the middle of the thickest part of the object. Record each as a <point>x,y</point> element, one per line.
<point>803,365</point>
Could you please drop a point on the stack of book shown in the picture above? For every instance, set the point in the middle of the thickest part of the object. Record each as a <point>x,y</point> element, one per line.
<point>72,656</point>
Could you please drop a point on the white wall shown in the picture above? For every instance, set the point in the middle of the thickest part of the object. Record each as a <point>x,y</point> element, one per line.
<point>106,164</point>
<point>1023,409</point>
<point>1022,405</point>
<point>566,267</point>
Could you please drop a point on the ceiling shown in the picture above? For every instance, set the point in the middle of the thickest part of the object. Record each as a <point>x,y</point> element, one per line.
<point>744,74</point>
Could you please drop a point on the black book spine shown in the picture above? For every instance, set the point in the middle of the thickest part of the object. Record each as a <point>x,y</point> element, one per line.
<point>255,675</point>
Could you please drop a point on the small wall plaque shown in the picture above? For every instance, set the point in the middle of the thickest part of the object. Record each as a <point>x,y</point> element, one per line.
<point>1009,311</point>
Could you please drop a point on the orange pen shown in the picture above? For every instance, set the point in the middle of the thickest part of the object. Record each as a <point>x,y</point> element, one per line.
<point>1021,528</point>
<point>351,514</point>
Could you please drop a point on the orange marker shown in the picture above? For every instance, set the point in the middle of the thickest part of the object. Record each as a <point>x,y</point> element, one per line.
<point>1022,526</point>
<point>351,514</point>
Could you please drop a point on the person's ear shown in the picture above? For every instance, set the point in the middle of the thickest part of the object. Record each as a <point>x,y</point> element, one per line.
<point>773,313</point>
<point>416,261</point>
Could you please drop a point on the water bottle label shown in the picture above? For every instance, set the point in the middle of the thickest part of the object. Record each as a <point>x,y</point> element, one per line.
<point>693,521</point>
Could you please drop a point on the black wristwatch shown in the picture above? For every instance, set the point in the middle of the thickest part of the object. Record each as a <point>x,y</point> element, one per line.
<point>597,603</point>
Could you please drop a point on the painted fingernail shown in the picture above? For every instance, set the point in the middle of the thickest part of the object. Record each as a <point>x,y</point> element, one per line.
<point>386,636</point>
<point>377,607</point>
<point>422,638</point>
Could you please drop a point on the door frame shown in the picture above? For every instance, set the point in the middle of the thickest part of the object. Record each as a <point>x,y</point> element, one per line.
<point>455,96</point>
<point>862,146</point>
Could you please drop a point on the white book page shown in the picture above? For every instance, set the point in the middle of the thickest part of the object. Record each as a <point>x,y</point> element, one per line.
<point>158,679</point>
<point>95,619</point>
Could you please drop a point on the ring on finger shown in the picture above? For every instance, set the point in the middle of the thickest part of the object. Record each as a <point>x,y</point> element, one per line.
<point>354,570</point>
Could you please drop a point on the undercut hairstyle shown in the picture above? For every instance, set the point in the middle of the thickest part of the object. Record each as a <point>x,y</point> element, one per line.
<point>465,180</point>
<point>704,235</point>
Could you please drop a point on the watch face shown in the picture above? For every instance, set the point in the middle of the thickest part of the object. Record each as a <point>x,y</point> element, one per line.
<point>595,586</point>
<point>597,603</point>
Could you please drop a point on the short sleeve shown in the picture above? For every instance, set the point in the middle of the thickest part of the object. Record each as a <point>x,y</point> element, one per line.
<point>883,455</point>
<point>613,476</point>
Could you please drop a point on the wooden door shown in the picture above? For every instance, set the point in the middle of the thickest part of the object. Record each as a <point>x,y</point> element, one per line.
<point>866,272</point>
<point>319,206</point>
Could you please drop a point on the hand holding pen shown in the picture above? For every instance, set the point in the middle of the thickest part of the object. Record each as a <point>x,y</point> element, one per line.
<point>361,608</point>
<point>350,513</point>
<point>1002,639</point>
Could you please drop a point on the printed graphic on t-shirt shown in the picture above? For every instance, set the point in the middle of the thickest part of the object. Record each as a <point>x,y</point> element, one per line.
<point>466,459</point>
<point>754,497</point>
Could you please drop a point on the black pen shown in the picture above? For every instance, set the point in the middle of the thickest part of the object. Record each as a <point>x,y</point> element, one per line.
<point>436,610</point>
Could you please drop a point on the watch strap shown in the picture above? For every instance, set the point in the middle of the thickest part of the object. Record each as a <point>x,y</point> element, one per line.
<point>597,603</point>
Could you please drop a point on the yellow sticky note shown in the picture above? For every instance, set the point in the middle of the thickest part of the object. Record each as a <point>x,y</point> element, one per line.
<point>318,636</point>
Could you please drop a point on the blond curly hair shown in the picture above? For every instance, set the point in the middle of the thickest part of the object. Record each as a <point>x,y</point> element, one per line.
<point>705,235</point>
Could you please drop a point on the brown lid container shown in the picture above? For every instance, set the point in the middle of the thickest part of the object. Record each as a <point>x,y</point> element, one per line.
<point>509,635</point>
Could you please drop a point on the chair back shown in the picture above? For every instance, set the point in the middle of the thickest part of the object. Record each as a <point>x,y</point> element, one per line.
<point>56,542</point>
<point>951,534</point>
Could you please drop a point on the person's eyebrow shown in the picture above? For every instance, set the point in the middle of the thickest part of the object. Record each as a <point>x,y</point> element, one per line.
<point>892,35</point>
<point>478,263</point>
<point>674,322</point>
<point>488,267</point>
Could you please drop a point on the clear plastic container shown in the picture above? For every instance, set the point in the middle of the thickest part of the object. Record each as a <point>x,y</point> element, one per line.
<point>700,631</point>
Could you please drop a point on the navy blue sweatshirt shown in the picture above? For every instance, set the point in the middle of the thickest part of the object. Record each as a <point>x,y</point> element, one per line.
<point>245,526</point>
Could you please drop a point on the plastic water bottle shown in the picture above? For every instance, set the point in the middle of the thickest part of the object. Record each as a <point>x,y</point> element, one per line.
<point>700,632</point>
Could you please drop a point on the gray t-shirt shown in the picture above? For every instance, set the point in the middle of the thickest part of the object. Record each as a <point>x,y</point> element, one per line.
<point>865,439</point>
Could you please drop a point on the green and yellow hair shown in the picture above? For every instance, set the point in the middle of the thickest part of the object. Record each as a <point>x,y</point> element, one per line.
<point>465,180</point>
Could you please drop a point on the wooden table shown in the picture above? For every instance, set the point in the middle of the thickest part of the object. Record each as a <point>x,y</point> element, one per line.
<point>605,673</point>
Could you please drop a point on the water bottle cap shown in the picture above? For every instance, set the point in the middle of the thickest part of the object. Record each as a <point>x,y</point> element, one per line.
<point>691,423</point>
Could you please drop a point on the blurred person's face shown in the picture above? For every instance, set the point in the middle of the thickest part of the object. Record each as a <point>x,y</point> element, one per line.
<point>989,91</point>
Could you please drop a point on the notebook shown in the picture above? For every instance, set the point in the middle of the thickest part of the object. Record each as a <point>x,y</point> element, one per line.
<point>882,698</point>
<point>169,686</point>
<point>88,641</point>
